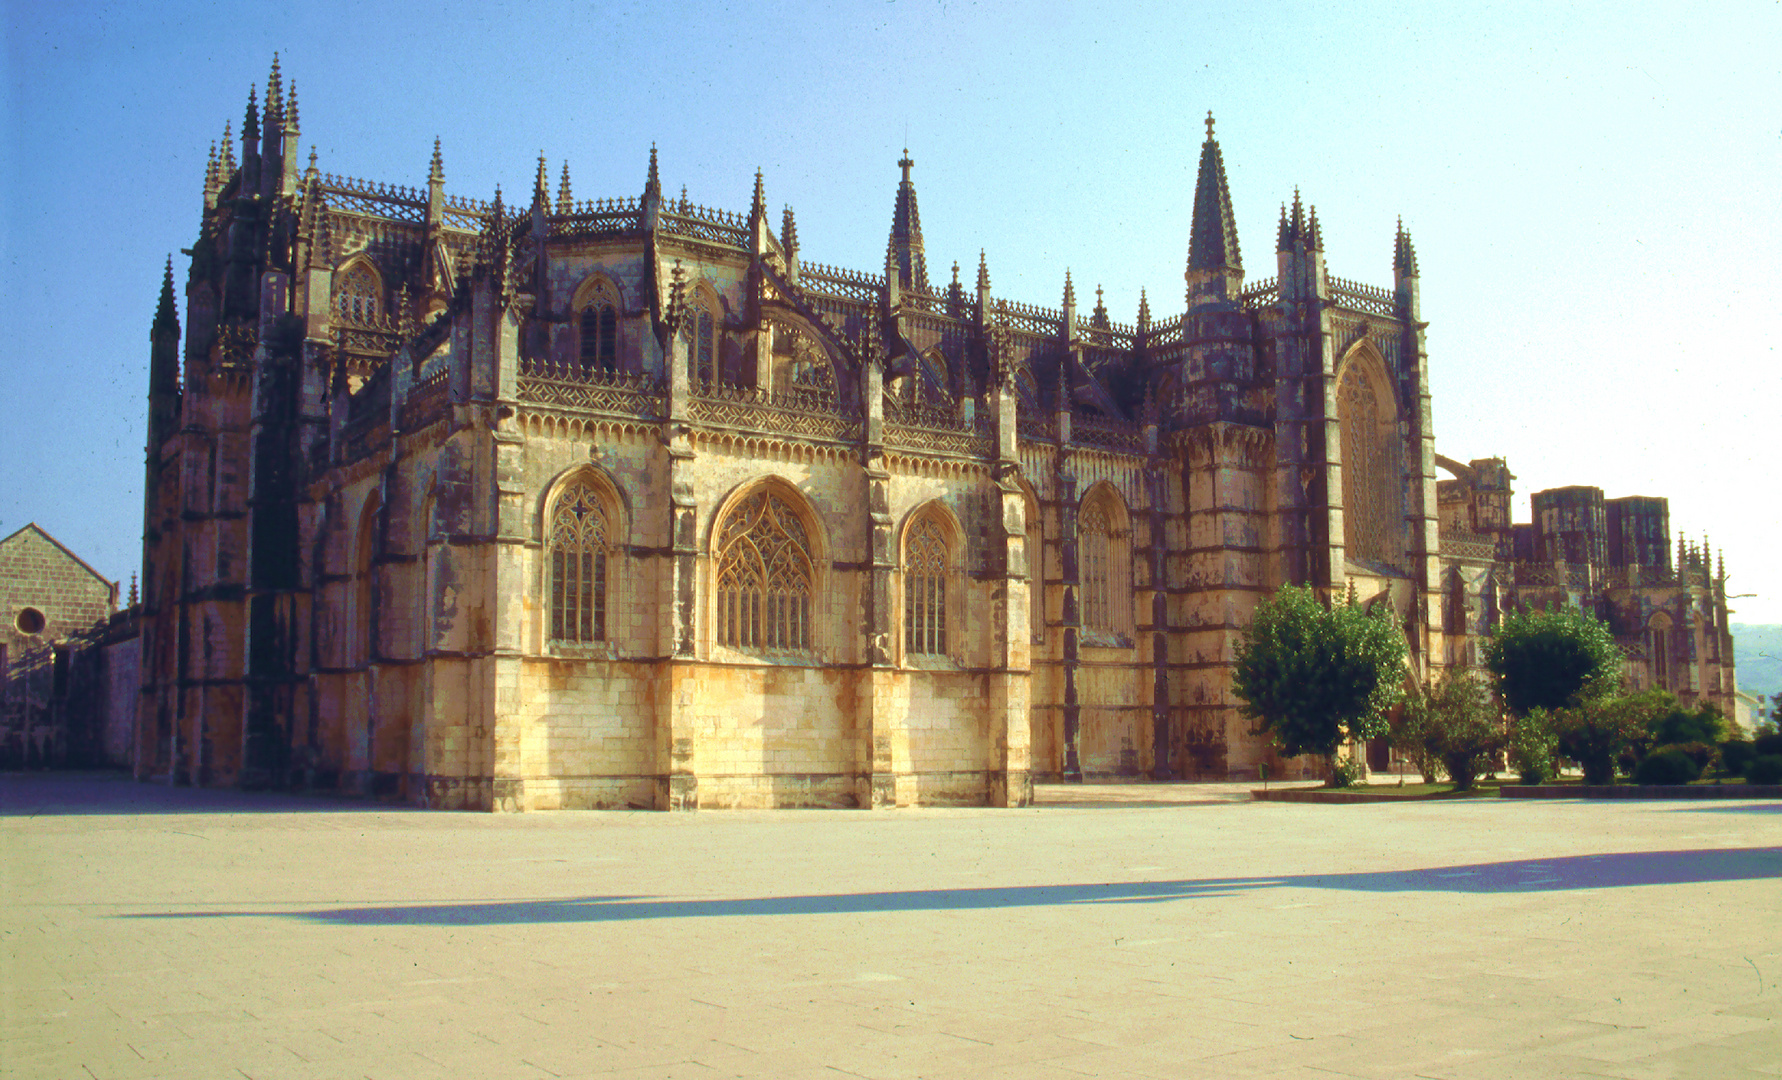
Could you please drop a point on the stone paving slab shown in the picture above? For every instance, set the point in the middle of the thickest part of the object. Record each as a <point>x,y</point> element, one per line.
<point>1141,930</point>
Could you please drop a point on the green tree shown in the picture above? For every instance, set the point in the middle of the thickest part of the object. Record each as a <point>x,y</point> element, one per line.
<point>1313,675</point>
<point>1457,723</point>
<point>1594,732</point>
<point>1552,659</point>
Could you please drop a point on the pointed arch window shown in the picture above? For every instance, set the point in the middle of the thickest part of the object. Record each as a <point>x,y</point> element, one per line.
<point>1104,578</point>
<point>1370,467</point>
<point>925,589</point>
<point>600,338</point>
<point>765,576</point>
<point>359,295</point>
<point>581,530</point>
<point>699,330</point>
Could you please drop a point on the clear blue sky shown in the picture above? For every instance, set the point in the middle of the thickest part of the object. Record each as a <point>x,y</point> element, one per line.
<point>1592,188</point>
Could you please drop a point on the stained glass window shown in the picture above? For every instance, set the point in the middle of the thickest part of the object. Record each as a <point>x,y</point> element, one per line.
<point>765,576</point>
<point>579,541</point>
<point>359,295</point>
<point>1369,470</point>
<point>925,589</point>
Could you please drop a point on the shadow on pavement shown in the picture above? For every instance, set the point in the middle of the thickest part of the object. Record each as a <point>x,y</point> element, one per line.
<point>98,793</point>
<point>1618,870</point>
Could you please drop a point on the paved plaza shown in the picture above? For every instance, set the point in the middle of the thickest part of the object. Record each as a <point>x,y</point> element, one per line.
<point>1168,931</point>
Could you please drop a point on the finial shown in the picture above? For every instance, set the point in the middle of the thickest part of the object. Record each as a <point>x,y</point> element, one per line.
<point>905,164</point>
<point>955,273</point>
<point>1314,237</point>
<point>983,273</point>
<point>565,204</point>
<point>274,91</point>
<point>313,171</point>
<point>1144,313</point>
<point>653,182</point>
<point>684,204</point>
<point>436,171</point>
<point>759,206</point>
<point>541,183</point>
<point>1070,292</point>
<point>132,590</point>
<point>165,311</point>
<point>250,127</point>
<point>788,230</point>
<point>1210,126</point>
<point>210,168</point>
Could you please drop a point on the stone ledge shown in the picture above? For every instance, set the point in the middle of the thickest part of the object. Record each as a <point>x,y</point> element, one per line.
<point>1639,791</point>
<point>1341,795</point>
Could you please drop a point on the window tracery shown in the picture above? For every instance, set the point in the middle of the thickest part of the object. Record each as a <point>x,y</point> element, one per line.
<point>765,576</point>
<point>1093,547</point>
<point>580,539</point>
<point>1370,467</point>
<point>358,297</point>
<point>925,589</point>
<point>699,330</point>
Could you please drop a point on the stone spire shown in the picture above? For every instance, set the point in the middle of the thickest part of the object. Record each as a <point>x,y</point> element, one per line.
<point>291,125</point>
<point>1100,315</point>
<point>906,233</point>
<point>164,364</point>
<point>275,95</point>
<point>788,231</point>
<point>436,170</point>
<point>541,183</point>
<point>250,125</point>
<point>565,204</point>
<point>758,204</point>
<point>1215,267</point>
<point>1404,256</point>
<point>1069,307</point>
<point>1144,312</point>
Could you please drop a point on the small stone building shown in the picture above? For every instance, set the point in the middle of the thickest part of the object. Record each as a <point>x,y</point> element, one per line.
<point>55,607</point>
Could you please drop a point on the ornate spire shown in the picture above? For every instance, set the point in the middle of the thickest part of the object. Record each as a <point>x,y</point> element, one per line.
<point>1144,314</point>
<point>312,173</point>
<point>758,207</point>
<point>541,183</point>
<point>228,158</point>
<point>211,183</point>
<point>906,232</point>
<point>1314,236</point>
<point>677,297</point>
<point>436,170</point>
<point>1070,292</point>
<point>291,108</point>
<point>133,589</point>
<point>565,204</point>
<point>1213,241</point>
<point>983,273</point>
<point>250,127</point>
<point>653,183</point>
<point>275,94</point>
<point>166,313</point>
<point>1404,256</point>
<point>1284,233</point>
<point>788,231</point>
<point>1100,314</point>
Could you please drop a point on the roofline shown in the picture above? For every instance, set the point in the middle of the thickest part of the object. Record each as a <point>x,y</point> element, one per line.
<point>64,549</point>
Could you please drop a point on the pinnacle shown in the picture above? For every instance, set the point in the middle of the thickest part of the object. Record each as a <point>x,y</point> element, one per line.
<point>1070,292</point>
<point>1144,312</point>
<point>274,91</point>
<point>1213,240</point>
<point>1404,255</point>
<point>564,203</point>
<point>436,171</point>
<point>788,231</point>
<point>541,182</point>
<point>654,182</point>
<point>983,272</point>
<point>165,312</point>
<point>291,106</point>
<point>250,127</point>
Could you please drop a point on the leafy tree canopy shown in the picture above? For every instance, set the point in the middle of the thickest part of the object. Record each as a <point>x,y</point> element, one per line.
<point>1313,675</point>
<point>1552,659</point>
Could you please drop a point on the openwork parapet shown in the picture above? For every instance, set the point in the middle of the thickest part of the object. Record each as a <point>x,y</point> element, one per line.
<point>570,386</point>
<point>919,426</point>
<point>428,400</point>
<point>1369,298</point>
<point>1105,434</point>
<point>810,414</point>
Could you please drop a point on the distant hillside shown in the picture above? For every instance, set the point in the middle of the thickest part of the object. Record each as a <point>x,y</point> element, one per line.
<point>1757,651</point>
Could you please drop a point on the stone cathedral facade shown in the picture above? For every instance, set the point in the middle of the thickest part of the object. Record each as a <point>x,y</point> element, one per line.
<point>625,502</point>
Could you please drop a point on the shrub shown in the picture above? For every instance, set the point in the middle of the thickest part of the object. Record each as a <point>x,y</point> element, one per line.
<point>1767,746</point>
<point>1457,723</point>
<point>1765,770</point>
<point>1704,725</point>
<point>1347,772</point>
<point>1667,765</point>
<point>1735,755</point>
<point>1533,747</point>
<point>1702,753</point>
<point>1415,735</point>
<point>1594,733</point>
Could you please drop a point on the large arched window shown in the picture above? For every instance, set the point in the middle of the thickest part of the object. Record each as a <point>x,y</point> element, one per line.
<point>1368,419</point>
<point>925,588</point>
<point>580,540</point>
<point>1104,570</point>
<point>700,331</point>
<point>765,576</point>
<point>359,293</point>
